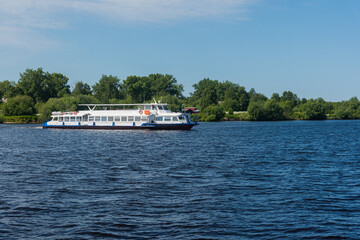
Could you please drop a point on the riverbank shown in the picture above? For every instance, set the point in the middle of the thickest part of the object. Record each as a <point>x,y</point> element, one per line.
<point>237,116</point>
<point>20,119</point>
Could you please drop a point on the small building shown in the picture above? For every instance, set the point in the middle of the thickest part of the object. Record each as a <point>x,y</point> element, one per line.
<point>190,110</point>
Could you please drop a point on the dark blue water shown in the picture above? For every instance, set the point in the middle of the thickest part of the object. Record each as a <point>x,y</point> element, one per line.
<point>232,180</point>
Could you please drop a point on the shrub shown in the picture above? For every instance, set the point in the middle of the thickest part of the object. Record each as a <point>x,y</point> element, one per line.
<point>19,105</point>
<point>265,111</point>
<point>256,110</point>
<point>313,110</point>
<point>214,113</point>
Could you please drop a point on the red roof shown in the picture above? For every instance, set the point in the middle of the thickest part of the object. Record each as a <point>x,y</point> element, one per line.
<point>192,109</point>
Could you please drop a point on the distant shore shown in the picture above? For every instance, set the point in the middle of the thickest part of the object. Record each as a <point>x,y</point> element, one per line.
<point>24,119</point>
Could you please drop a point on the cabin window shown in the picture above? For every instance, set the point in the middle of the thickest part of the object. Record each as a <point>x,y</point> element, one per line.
<point>123,119</point>
<point>104,119</point>
<point>131,118</point>
<point>78,119</point>
<point>85,118</point>
<point>167,119</point>
<point>55,119</point>
<point>166,108</point>
<point>97,118</point>
<point>160,107</point>
<point>144,118</point>
<point>147,107</point>
<point>66,119</point>
<point>175,119</point>
<point>61,119</point>
<point>159,119</point>
<point>137,119</point>
<point>110,119</point>
<point>117,119</point>
<point>181,117</point>
<point>91,118</point>
<point>72,119</point>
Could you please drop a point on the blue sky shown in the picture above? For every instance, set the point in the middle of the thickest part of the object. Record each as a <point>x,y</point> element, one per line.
<point>310,47</point>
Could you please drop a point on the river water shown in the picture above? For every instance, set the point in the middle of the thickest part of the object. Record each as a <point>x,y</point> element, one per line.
<point>229,180</point>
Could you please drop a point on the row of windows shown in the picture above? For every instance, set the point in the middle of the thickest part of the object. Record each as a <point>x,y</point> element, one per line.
<point>68,119</point>
<point>167,119</point>
<point>115,119</point>
<point>112,119</point>
<point>154,107</point>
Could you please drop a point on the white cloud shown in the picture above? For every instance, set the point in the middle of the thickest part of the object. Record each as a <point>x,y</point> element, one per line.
<point>22,21</point>
<point>163,10</point>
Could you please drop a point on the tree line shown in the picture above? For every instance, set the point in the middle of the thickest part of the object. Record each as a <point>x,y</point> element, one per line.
<point>40,92</point>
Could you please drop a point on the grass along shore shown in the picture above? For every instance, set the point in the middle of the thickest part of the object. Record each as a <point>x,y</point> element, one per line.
<point>20,119</point>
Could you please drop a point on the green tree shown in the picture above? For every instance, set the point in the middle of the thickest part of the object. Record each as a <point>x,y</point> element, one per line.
<point>231,103</point>
<point>137,89</point>
<point>244,101</point>
<point>56,86</point>
<point>342,112</point>
<point>205,93</point>
<point>258,97</point>
<point>41,86</point>
<point>347,109</point>
<point>19,105</point>
<point>81,89</point>
<point>212,113</point>
<point>252,92</point>
<point>328,107</point>
<point>273,110</point>
<point>269,110</point>
<point>313,110</point>
<point>8,89</point>
<point>303,101</point>
<point>276,97</point>
<point>288,109</point>
<point>107,88</point>
<point>162,85</point>
<point>233,95</point>
<point>291,97</point>
<point>208,98</point>
<point>256,110</point>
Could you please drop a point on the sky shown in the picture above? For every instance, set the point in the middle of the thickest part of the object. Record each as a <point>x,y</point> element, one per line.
<point>309,47</point>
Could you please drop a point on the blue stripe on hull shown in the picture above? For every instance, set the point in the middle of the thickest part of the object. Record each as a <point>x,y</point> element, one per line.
<point>149,127</point>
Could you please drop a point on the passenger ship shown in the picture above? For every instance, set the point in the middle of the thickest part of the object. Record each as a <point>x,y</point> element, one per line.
<point>154,116</point>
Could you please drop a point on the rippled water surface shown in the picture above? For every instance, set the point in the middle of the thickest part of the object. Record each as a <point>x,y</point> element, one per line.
<point>231,180</point>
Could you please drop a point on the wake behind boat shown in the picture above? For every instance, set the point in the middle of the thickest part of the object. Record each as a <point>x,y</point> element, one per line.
<point>154,116</point>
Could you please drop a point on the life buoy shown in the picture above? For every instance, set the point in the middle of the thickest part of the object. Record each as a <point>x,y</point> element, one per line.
<point>141,111</point>
<point>75,113</point>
